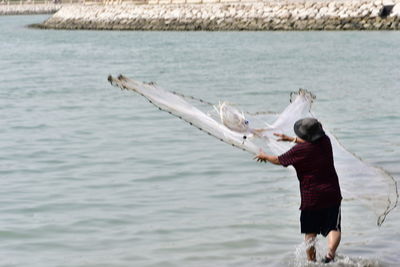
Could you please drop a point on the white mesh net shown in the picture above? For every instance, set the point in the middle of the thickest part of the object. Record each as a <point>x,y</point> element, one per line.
<point>254,132</point>
<point>232,118</point>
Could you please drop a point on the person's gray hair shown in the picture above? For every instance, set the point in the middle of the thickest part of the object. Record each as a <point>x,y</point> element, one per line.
<point>309,129</point>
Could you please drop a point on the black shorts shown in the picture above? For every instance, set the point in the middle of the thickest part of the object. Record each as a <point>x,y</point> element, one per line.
<point>320,221</point>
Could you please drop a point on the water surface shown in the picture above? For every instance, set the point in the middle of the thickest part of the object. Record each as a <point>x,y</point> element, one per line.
<point>91,176</point>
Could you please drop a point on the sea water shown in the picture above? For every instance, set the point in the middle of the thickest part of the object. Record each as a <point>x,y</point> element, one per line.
<point>93,176</point>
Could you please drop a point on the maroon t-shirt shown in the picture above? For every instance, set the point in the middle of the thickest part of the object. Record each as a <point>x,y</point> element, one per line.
<point>319,183</point>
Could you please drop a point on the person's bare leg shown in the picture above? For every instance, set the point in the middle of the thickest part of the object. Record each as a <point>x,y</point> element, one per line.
<point>310,250</point>
<point>333,243</point>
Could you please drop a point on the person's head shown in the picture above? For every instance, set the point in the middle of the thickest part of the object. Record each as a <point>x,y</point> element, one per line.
<point>309,129</point>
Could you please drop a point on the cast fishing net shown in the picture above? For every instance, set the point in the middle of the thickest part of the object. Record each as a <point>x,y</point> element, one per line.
<point>254,132</point>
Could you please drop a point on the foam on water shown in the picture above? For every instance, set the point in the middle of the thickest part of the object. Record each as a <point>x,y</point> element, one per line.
<point>300,257</point>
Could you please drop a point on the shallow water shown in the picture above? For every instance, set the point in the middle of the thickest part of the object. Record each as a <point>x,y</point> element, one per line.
<point>92,176</point>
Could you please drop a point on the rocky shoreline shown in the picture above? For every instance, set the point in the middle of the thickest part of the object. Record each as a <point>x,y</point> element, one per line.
<point>29,9</point>
<point>253,16</point>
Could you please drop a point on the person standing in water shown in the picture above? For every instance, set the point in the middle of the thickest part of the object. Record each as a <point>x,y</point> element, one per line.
<point>312,159</point>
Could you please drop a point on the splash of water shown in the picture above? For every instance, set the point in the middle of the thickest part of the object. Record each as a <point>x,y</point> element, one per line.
<point>300,259</point>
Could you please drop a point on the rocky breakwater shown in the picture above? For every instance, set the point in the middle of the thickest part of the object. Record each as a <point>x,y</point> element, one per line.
<point>295,15</point>
<point>28,9</point>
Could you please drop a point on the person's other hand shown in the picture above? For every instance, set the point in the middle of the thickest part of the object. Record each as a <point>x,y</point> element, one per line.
<point>283,137</point>
<point>261,157</point>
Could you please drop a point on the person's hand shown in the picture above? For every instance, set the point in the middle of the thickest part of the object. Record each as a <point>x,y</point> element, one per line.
<point>261,157</point>
<point>283,137</point>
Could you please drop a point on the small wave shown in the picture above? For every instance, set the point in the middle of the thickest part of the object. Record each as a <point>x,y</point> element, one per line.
<point>300,259</point>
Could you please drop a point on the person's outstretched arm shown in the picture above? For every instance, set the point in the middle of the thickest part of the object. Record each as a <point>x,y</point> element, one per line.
<point>283,137</point>
<point>262,157</point>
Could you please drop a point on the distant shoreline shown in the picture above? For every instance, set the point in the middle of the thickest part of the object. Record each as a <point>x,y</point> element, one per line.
<point>232,16</point>
<point>29,9</point>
